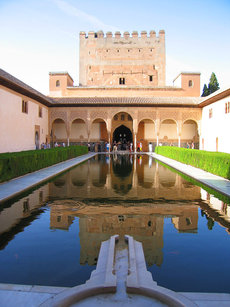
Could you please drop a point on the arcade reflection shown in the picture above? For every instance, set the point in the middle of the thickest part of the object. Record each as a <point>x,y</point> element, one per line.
<point>123,194</point>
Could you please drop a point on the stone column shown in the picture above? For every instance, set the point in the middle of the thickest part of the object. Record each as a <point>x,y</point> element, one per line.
<point>68,133</point>
<point>157,129</point>
<point>135,142</point>
<point>179,129</point>
<point>135,128</point>
<point>108,125</point>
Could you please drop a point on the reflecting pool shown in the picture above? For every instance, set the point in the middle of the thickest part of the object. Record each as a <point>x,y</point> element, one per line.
<point>52,236</point>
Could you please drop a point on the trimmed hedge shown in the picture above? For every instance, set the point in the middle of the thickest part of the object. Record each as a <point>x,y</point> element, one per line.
<point>217,163</point>
<point>16,164</point>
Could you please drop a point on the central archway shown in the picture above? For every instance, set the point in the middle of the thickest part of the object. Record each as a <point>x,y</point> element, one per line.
<point>122,136</point>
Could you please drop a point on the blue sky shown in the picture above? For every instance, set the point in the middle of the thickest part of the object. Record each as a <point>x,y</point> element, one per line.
<point>39,36</point>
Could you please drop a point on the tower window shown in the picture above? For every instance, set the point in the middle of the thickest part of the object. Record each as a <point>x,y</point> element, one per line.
<point>190,83</point>
<point>121,80</point>
<point>150,78</point>
<point>57,83</point>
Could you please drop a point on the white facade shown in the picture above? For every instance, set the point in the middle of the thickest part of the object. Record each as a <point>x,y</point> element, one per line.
<point>215,124</point>
<point>17,128</point>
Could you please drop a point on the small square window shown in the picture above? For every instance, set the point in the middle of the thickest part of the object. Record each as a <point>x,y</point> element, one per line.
<point>57,83</point>
<point>121,80</point>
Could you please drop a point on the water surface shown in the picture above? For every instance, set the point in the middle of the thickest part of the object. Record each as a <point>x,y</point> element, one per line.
<point>52,236</point>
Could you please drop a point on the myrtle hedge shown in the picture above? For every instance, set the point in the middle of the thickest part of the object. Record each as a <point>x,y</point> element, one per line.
<point>16,164</point>
<point>217,163</point>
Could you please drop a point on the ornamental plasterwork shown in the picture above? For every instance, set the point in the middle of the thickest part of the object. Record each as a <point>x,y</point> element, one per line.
<point>146,115</point>
<point>195,115</point>
<point>78,115</point>
<point>121,110</point>
<point>169,115</point>
<point>55,114</point>
<point>98,114</point>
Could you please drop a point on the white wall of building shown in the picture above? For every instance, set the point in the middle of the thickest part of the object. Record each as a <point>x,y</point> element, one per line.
<point>17,129</point>
<point>215,130</point>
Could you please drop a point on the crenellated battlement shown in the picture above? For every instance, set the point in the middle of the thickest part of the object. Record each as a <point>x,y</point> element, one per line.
<point>128,58</point>
<point>118,35</point>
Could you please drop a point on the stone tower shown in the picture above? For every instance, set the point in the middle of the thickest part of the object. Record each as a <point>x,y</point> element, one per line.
<point>126,60</point>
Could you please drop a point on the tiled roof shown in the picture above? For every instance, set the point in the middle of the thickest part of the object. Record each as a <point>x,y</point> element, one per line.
<point>15,84</point>
<point>219,94</point>
<point>175,101</point>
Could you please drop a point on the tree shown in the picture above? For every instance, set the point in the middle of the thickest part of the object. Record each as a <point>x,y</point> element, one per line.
<point>212,86</point>
<point>205,91</point>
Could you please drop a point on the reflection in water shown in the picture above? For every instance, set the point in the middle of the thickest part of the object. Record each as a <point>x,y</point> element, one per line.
<point>120,194</point>
<point>142,221</point>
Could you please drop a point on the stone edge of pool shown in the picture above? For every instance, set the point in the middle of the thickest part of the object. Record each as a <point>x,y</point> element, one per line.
<point>18,185</point>
<point>215,182</point>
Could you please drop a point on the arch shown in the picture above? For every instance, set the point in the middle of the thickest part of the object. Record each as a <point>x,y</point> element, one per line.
<point>78,131</point>
<point>59,182</point>
<point>189,133</point>
<point>122,128</point>
<point>121,174</point>
<point>145,174</point>
<point>59,131</point>
<point>146,133</point>
<point>79,175</point>
<point>167,178</point>
<point>122,136</point>
<point>99,131</point>
<point>168,132</point>
<point>121,110</point>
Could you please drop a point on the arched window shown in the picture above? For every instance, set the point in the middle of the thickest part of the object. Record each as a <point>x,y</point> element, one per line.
<point>57,83</point>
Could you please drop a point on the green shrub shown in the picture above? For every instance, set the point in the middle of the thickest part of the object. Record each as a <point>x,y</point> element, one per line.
<point>20,163</point>
<point>217,163</point>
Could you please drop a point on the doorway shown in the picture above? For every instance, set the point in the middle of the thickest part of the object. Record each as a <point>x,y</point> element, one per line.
<point>122,136</point>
